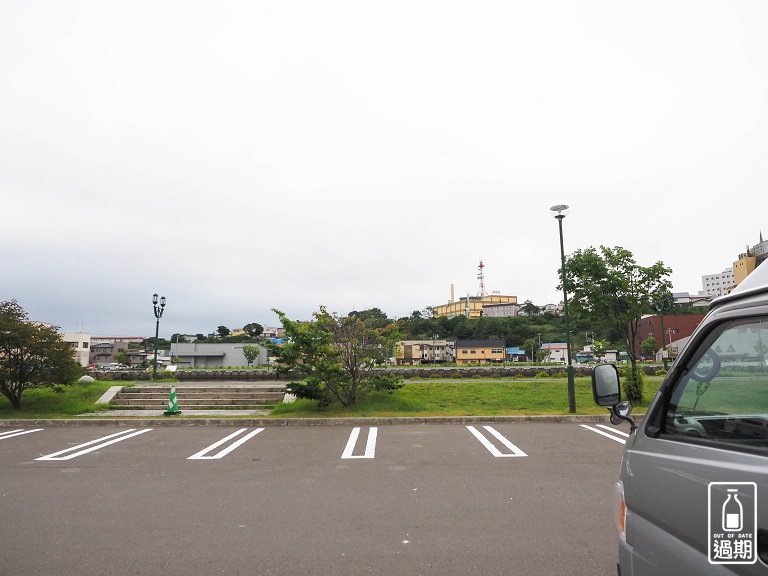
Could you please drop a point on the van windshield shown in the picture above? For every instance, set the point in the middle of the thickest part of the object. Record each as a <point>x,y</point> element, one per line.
<point>724,394</point>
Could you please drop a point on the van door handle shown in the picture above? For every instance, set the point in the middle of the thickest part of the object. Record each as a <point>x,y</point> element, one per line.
<point>762,545</point>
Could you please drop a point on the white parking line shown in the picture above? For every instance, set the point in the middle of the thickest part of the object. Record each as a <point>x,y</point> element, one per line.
<point>12,433</point>
<point>370,445</point>
<point>225,451</point>
<point>611,436</point>
<point>613,429</point>
<point>515,451</point>
<point>118,437</point>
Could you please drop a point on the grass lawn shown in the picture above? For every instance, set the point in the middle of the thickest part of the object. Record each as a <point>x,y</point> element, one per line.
<point>472,397</point>
<point>428,397</point>
<point>47,404</point>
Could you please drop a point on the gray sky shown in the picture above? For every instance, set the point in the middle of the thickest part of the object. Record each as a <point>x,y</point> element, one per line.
<point>248,155</point>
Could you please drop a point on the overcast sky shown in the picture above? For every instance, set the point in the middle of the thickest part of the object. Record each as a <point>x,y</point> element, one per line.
<point>248,155</point>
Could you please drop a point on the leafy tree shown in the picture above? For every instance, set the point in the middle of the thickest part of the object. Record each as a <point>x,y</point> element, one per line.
<point>162,343</point>
<point>337,354</point>
<point>199,337</point>
<point>600,348</point>
<point>223,331</point>
<point>531,346</point>
<point>373,317</point>
<point>122,357</point>
<point>253,329</point>
<point>649,346</point>
<point>529,308</point>
<point>32,355</point>
<point>608,288</point>
<point>251,353</point>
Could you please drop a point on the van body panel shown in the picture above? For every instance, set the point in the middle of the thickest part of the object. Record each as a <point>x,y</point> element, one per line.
<point>707,425</point>
<point>666,487</point>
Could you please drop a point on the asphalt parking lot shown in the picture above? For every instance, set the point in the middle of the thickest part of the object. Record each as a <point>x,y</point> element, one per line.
<point>497,498</point>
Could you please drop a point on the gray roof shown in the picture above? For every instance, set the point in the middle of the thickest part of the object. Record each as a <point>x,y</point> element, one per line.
<point>493,343</point>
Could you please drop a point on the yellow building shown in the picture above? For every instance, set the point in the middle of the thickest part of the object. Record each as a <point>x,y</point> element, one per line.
<point>750,260</point>
<point>490,351</point>
<point>471,306</point>
<point>743,268</point>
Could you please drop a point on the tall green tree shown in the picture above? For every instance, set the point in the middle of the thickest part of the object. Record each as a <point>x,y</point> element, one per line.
<point>529,308</point>
<point>649,346</point>
<point>254,329</point>
<point>337,355</point>
<point>600,348</point>
<point>251,353</point>
<point>609,288</point>
<point>32,355</point>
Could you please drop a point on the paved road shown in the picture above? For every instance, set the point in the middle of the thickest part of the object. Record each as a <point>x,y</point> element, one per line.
<point>448,499</point>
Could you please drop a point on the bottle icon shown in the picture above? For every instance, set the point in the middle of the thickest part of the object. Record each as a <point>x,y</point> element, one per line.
<point>733,512</point>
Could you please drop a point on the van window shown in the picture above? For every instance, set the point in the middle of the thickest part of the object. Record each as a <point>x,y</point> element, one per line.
<point>724,395</point>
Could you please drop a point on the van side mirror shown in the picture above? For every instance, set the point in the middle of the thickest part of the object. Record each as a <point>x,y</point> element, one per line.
<point>605,385</point>
<point>607,392</point>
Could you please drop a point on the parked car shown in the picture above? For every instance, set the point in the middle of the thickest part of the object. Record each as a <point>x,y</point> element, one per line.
<point>692,496</point>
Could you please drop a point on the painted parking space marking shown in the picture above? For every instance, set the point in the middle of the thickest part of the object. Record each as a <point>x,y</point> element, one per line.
<point>514,451</point>
<point>370,445</point>
<point>12,433</point>
<point>613,429</point>
<point>614,435</point>
<point>94,445</point>
<point>202,454</point>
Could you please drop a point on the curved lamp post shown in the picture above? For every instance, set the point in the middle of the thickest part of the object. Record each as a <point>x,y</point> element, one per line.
<point>560,211</point>
<point>158,314</point>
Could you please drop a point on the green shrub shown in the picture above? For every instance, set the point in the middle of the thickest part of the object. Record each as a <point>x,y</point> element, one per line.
<point>661,372</point>
<point>541,375</point>
<point>633,384</point>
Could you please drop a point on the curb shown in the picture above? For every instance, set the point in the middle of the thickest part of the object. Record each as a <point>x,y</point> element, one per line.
<point>264,422</point>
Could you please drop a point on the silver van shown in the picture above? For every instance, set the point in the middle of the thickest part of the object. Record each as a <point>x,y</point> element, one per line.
<point>693,491</point>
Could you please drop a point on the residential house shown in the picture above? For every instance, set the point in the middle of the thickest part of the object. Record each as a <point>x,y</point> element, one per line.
<point>556,352</point>
<point>105,352</point>
<point>489,351</point>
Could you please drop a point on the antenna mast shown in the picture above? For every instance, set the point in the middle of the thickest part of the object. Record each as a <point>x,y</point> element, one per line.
<point>481,277</point>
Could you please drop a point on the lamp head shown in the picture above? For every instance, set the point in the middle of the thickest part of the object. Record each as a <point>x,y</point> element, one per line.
<point>154,299</point>
<point>559,211</point>
<point>162,302</point>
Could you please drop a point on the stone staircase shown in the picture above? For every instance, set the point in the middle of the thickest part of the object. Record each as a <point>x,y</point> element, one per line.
<point>199,396</point>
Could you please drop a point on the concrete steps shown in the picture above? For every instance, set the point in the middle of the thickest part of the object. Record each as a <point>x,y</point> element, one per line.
<point>200,397</point>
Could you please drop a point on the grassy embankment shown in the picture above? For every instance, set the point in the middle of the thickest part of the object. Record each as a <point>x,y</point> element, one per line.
<point>429,397</point>
<point>472,397</point>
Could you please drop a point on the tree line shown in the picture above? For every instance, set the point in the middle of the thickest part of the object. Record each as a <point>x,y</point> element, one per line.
<point>608,290</point>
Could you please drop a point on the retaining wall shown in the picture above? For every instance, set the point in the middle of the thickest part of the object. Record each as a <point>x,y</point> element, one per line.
<point>413,372</point>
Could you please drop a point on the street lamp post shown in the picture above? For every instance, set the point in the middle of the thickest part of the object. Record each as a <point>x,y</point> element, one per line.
<point>560,211</point>
<point>158,314</point>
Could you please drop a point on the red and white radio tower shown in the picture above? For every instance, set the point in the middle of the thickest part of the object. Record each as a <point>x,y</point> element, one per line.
<point>481,277</point>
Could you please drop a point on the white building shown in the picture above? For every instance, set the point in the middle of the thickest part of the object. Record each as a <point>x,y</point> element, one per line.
<point>718,284</point>
<point>80,344</point>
